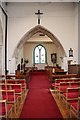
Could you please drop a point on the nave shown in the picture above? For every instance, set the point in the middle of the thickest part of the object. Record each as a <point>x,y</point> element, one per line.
<point>27,45</point>
<point>39,97</point>
<point>39,102</point>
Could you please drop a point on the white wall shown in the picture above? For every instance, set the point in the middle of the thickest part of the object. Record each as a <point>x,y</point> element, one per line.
<point>75,48</point>
<point>58,18</point>
<point>79,32</point>
<point>2,42</point>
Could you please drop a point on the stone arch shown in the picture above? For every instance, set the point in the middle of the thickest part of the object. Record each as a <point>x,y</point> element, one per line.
<point>33,31</point>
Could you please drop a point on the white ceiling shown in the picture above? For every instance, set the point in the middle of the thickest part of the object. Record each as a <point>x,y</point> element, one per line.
<point>39,0</point>
<point>39,37</point>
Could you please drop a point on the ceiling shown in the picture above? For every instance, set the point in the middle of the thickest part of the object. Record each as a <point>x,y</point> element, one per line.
<point>39,37</point>
<point>40,0</point>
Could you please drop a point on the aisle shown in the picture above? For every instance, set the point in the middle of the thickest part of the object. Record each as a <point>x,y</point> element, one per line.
<point>39,102</point>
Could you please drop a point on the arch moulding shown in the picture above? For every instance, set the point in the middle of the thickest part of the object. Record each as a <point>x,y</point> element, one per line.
<point>33,31</point>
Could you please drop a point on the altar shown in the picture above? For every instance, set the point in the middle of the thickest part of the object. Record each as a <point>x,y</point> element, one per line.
<point>40,66</point>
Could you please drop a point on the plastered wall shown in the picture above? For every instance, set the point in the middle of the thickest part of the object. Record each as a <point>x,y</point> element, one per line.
<point>58,18</point>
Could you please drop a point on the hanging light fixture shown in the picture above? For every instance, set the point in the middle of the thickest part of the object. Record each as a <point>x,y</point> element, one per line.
<point>70,52</point>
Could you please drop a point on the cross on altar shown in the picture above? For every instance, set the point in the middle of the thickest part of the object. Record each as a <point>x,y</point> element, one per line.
<point>38,13</point>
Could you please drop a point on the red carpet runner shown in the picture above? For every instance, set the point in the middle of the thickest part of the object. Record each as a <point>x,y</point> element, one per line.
<point>39,102</point>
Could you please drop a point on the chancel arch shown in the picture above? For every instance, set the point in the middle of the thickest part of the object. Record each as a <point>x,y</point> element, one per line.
<point>39,29</point>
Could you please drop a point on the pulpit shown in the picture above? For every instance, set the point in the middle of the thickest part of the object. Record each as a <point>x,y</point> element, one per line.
<point>74,69</point>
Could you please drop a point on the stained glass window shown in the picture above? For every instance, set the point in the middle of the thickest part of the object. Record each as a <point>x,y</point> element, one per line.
<point>39,54</point>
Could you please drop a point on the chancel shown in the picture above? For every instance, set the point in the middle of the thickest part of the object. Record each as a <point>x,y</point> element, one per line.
<point>40,63</point>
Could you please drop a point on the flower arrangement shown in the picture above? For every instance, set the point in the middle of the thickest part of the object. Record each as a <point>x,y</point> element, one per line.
<point>57,65</point>
<point>26,61</point>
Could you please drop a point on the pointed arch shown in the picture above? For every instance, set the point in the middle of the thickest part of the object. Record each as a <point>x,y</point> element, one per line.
<point>40,55</point>
<point>33,31</point>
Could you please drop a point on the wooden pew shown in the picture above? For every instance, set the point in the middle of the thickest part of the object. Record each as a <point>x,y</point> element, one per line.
<point>10,97</point>
<point>63,86</point>
<point>75,108</point>
<point>57,81</point>
<point>19,81</point>
<point>65,76</point>
<point>5,110</point>
<point>71,94</point>
<point>18,90</point>
<point>19,76</point>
